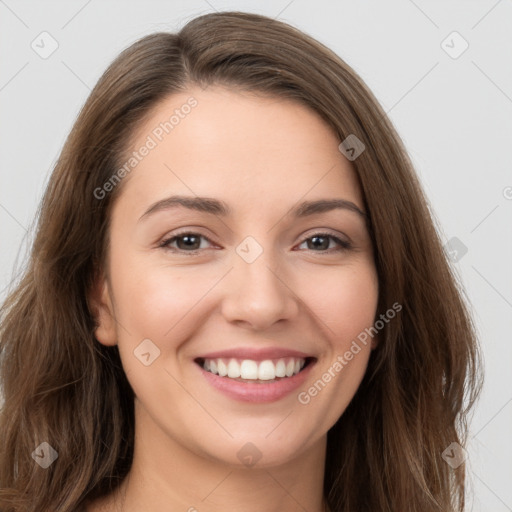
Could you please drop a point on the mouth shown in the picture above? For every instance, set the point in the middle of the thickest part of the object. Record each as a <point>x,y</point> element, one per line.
<point>257,375</point>
<point>251,371</point>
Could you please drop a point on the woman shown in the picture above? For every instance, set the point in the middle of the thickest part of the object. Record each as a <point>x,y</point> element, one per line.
<point>237,298</point>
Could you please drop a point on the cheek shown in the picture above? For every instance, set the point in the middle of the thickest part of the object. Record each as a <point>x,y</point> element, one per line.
<point>154,300</point>
<point>343,300</point>
<point>345,305</point>
<point>160,304</point>
<point>160,301</point>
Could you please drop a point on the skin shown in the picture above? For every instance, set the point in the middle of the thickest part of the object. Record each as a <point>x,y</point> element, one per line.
<point>262,156</point>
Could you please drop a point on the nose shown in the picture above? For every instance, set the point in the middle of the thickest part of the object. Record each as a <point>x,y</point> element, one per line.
<point>257,297</point>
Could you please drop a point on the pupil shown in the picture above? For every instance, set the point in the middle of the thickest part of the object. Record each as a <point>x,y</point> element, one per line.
<point>189,241</point>
<point>322,245</point>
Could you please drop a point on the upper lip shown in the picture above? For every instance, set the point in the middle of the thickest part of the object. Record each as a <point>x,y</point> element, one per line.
<point>255,354</point>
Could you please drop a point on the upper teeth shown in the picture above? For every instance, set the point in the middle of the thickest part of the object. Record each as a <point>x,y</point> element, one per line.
<point>254,370</point>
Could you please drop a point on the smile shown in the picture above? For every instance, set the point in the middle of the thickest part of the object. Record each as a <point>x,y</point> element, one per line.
<point>255,376</point>
<point>249,369</point>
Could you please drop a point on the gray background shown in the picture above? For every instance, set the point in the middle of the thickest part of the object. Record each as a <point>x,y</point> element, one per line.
<point>454,115</point>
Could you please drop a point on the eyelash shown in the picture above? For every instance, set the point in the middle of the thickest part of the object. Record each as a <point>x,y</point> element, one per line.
<point>344,245</point>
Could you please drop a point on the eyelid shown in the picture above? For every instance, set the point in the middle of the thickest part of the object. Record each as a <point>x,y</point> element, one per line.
<point>343,241</point>
<point>329,232</point>
<point>186,231</point>
<point>343,245</point>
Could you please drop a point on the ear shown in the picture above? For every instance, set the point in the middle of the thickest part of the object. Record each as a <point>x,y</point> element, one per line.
<point>375,341</point>
<point>100,304</point>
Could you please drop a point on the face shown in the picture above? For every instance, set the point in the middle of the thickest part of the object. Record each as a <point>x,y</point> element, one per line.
<point>236,305</point>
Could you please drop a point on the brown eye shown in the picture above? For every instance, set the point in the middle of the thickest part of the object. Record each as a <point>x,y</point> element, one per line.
<point>320,242</point>
<point>185,242</point>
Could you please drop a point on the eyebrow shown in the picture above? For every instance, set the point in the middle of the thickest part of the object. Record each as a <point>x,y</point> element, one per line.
<point>217,207</point>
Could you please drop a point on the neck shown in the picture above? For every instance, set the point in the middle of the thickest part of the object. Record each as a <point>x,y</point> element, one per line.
<point>167,476</point>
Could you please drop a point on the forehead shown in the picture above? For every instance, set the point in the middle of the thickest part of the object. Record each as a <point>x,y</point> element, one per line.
<point>239,146</point>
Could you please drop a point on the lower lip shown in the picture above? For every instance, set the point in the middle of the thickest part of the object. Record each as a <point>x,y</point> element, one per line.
<point>254,391</point>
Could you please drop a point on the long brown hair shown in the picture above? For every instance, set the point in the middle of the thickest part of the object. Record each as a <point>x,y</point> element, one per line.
<point>63,387</point>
